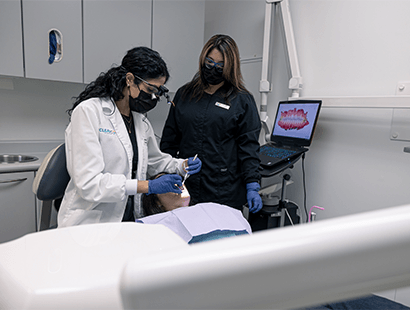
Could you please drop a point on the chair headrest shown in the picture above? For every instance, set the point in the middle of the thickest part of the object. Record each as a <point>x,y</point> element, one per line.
<point>52,177</point>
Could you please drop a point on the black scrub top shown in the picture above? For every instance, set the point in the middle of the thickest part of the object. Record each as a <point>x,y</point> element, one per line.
<point>225,137</point>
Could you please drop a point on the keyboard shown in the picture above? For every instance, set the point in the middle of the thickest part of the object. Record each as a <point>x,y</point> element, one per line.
<point>276,152</point>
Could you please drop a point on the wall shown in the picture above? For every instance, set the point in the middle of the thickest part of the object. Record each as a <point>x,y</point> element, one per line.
<point>34,109</point>
<point>345,48</point>
<point>355,48</point>
<point>243,21</point>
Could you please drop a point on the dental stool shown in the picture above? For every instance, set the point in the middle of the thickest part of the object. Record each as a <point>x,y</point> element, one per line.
<point>50,183</point>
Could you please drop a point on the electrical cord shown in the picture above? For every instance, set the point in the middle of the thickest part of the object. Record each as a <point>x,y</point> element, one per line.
<point>304,186</point>
<point>289,217</point>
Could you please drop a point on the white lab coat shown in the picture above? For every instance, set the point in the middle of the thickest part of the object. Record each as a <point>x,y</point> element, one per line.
<point>99,161</point>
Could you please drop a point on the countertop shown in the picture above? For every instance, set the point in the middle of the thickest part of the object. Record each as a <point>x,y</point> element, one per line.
<point>38,149</point>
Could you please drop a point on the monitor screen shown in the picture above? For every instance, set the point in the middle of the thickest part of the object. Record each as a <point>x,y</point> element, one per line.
<point>295,122</point>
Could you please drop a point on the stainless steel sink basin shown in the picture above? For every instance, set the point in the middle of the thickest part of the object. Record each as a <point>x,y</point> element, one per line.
<point>11,159</point>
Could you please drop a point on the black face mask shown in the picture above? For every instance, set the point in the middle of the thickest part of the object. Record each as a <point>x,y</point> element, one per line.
<point>143,103</point>
<point>211,76</point>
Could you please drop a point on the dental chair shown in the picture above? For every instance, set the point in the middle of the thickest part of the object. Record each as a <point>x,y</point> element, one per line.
<point>50,183</point>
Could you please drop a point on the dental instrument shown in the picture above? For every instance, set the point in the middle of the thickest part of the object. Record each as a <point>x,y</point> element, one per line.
<point>187,174</point>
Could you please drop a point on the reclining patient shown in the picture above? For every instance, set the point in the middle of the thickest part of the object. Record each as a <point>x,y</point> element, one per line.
<point>193,223</point>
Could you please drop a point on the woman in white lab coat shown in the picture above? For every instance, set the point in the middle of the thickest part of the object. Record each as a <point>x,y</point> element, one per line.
<point>111,146</point>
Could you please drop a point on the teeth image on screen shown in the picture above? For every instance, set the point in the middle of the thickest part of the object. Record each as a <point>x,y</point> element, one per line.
<point>293,119</point>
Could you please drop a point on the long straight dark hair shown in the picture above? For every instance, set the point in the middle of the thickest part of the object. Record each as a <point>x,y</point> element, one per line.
<point>140,61</point>
<point>231,71</point>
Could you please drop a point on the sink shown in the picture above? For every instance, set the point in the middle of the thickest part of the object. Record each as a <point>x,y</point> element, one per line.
<point>11,159</point>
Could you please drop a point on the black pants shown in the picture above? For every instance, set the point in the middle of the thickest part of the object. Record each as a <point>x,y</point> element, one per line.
<point>129,210</point>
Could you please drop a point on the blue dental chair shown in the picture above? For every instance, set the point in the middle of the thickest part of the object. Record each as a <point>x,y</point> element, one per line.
<point>50,183</point>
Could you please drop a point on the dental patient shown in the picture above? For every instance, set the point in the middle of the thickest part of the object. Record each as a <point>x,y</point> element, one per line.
<point>193,223</point>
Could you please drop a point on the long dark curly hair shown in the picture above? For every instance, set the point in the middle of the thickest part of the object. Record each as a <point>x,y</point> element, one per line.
<point>140,61</point>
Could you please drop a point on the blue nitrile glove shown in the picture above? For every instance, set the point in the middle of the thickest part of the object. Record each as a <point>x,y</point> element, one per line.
<point>168,183</point>
<point>194,166</point>
<point>254,199</point>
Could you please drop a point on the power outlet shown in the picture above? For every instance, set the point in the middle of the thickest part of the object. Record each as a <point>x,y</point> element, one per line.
<point>403,88</point>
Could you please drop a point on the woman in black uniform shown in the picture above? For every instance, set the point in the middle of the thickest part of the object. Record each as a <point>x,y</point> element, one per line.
<point>215,117</point>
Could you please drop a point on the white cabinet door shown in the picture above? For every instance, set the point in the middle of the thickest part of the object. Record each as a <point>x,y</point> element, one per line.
<point>111,28</point>
<point>178,35</point>
<point>11,39</point>
<point>41,16</point>
<point>17,205</point>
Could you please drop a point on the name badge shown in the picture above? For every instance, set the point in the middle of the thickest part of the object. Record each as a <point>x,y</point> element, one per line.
<point>222,105</point>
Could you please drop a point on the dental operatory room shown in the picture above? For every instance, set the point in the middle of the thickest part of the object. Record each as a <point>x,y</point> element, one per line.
<point>205,154</point>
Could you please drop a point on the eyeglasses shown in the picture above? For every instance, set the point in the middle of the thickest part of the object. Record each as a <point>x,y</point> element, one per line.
<point>155,90</point>
<point>209,63</point>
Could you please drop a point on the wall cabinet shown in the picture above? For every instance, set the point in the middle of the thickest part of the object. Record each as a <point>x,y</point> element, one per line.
<point>41,16</point>
<point>178,35</point>
<point>17,205</point>
<point>11,39</point>
<point>95,36</point>
<point>175,28</point>
<point>111,28</point>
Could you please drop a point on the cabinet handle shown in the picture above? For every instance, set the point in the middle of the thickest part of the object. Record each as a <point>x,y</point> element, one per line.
<point>13,181</point>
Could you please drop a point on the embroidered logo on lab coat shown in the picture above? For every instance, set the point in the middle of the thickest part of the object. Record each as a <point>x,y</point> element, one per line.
<point>222,105</point>
<point>107,131</point>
